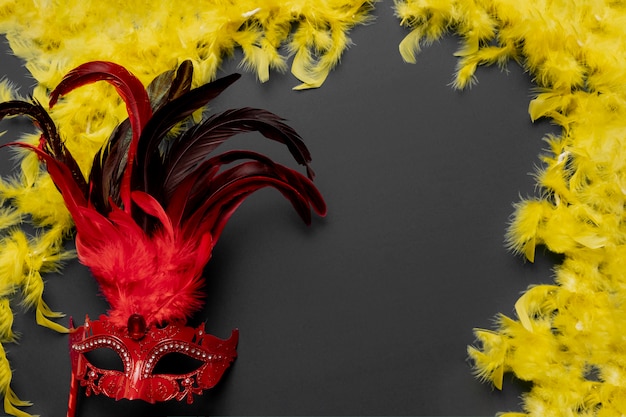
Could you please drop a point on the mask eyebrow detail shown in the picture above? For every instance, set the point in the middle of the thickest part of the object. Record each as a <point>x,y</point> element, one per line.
<point>188,349</point>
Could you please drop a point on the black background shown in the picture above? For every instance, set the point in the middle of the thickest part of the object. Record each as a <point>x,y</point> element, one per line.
<point>369,311</point>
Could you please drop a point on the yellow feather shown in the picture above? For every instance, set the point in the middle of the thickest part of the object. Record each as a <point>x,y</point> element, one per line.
<point>489,360</point>
<point>410,45</point>
<point>522,236</point>
<point>6,321</point>
<point>11,401</point>
<point>7,91</point>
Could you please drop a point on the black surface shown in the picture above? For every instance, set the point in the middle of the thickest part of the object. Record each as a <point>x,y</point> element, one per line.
<point>368,311</point>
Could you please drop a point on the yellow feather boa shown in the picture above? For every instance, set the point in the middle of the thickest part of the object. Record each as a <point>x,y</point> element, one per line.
<point>569,338</point>
<point>148,38</point>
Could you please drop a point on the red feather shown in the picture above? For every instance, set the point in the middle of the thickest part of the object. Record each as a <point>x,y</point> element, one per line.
<point>158,276</point>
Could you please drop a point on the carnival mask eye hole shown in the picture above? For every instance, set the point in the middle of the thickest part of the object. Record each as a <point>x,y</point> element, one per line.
<point>105,358</point>
<point>176,363</point>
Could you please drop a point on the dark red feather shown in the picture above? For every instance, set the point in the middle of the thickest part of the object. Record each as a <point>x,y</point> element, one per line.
<point>132,92</point>
<point>188,150</point>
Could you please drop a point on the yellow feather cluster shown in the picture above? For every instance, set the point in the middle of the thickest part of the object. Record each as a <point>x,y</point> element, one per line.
<point>148,38</point>
<point>569,339</point>
<point>151,37</point>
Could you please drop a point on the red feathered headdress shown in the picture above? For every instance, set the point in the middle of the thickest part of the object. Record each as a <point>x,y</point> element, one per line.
<point>148,217</point>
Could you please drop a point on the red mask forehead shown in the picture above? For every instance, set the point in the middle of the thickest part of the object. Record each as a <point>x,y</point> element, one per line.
<point>139,357</point>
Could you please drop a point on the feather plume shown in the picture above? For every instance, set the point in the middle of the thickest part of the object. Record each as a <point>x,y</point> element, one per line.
<point>150,214</point>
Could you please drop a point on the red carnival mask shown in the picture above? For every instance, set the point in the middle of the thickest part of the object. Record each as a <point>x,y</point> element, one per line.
<point>148,217</point>
<point>140,351</point>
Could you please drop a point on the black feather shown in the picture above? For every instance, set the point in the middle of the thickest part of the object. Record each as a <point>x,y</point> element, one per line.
<point>163,120</point>
<point>51,141</point>
<point>188,150</point>
<point>170,85</point>
<point>108,168</point>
